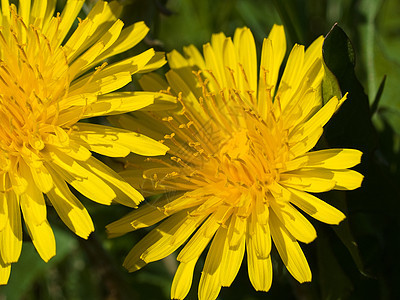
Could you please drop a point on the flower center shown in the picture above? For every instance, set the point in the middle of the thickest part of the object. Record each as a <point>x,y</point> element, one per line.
<point>242,164</point>
<point>33,79</point>
<point>249,157</point>
<point>223,150</point>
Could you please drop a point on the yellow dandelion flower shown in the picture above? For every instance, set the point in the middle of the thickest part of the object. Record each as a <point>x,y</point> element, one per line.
<point>240,165</point>
<point>47,84</point>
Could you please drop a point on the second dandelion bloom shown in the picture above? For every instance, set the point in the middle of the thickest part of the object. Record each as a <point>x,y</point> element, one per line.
<point>240,169</point>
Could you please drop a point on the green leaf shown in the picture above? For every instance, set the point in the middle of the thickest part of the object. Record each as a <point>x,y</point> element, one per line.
<point>351,126</point>
<point>387,47</point>
<point>345,235</point>
<point>378,96</point>
<point>343,230</point>
<point>334,282</point>
<point>289,13</point>
<point>30,266</point>
<point>338,52</point>
<point>330,86</point>
<point>369,10</point>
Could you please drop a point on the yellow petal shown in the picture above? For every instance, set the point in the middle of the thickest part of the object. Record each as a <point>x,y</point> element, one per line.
<point>278,44</point>
<point>70,210</point>
<point>3,211</point>
<point>210,284</point>
<point>298,226</point>
<point>5,8</point>
<point>5,270</point>
<point>101,85</point>
<point>230,62</point>
<point>231,260</point>
<point>182,67</point>
<point>153,82</point>
<point>11,235</point>
<point>333,158</point>
<point>183,280</point>
<point>51,6</point>
<point>246,48</point>
<point>259,269</point>
<point>83,99</point>
<point>307,99</point>
<point>173,239</point>
<point>97,142</point>
<point>108,78</point>
<point>42,178</point>
<point>292,76</point>
<point>289,251</point>
<point>330,159</point>
<point>147,215</point>
<point>84,61</point>
<point>321,180</point>
<point>181,203</point>
<point>111,35</point>
<point>180,85</point>
<point>142,123</point>
<point>18,182</point>
<point>156,62</point>
<point>79,36</point>
<point>267,80</point>
<point>199,241</point>
<point>125,193</point>
<point>215,66</point>
<point>318,120</point>
<point>162,102</point>
<point>32,201</point>
<point>236,230</point>
<point>83,180</point>
<point>308,181</point>
<point>259,226</point>
<point>118,103</point>
<point>307,143</point>
<point>72,149</point>
<point>194,56</point>
<point>68,16</point>
<point>101,18</point>
<point>346,179</point>
<point>104,139</point>
<point>24,11</point>
<point>129,37</point>
<point>217,43</point>
<point>133,64</point>
<point>133,261</point>
<point>313,53</point>
<point>43,239</point>
<point>315,207</point>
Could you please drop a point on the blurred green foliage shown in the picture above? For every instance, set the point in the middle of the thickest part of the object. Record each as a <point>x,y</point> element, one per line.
<point>356,260</point>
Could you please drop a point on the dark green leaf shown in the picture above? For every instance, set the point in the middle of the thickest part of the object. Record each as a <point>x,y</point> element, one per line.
<point>334,282</point>
<point>378,96</point>
<point>30,266</point>
<point>343,230</point>
<point>351,126</point>
<point>330,86</point>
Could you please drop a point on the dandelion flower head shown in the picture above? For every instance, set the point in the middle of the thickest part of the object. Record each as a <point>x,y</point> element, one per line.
<point>239,169</point>
<point>50,78</point>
